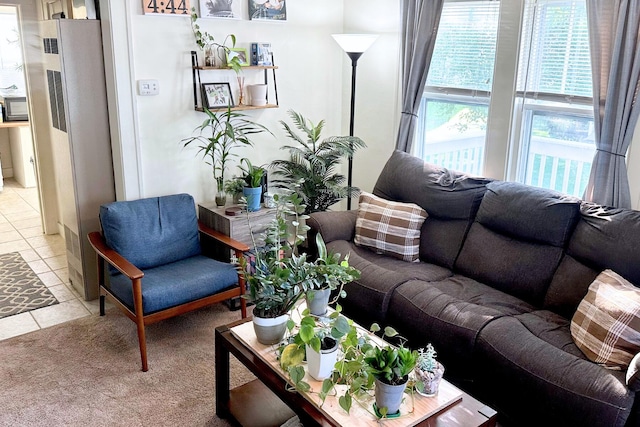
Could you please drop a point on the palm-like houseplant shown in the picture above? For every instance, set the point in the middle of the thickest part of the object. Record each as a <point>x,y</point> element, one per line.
<point>218,136</point>
<point>314,164</point>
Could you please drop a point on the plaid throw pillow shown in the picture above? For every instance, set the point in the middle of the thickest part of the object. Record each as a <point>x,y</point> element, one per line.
<point>606,326</point>
<point>391,228</point>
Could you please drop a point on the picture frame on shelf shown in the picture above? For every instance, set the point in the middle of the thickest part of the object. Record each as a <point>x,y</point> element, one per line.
<point>239,52</point>
<point>217,95</point>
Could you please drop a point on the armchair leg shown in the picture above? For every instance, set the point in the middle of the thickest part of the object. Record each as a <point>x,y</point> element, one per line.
<point>102,298</point>
<point>243,307</point>
<point>143,344</point>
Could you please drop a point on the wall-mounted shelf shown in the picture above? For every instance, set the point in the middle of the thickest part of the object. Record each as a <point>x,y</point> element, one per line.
<point>196,69</point>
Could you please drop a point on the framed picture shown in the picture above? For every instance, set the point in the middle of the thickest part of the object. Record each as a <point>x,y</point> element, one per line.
<point>240,53</point>
<point>217,95</point>
<point>272,10</point>
<point>229,9</point>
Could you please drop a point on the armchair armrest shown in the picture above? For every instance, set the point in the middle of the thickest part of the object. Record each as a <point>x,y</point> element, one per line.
<point>334,225</point>
<point>225,240</point>
<point>113,257</point>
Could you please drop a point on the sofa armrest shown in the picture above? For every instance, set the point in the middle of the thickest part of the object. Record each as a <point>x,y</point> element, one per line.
<point>334,225</point>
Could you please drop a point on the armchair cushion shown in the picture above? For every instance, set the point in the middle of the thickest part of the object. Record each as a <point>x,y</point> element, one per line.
<point>177,283</point>
<point>166,224</point>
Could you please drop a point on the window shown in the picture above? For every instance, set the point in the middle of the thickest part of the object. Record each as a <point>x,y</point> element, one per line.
<point>455,105</point>
<point>551,127</point>
<point>554,97</point>
<point>11,66</point>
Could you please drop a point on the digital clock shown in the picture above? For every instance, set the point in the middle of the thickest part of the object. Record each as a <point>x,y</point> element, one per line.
<point>166,7</point>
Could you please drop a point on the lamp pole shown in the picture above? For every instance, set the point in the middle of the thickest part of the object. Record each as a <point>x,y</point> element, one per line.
<point>354,63</point>
<point>354,45</point>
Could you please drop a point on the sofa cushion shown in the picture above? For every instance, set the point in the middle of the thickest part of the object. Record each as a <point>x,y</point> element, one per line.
<point>527,229</point>
<point>453,311</point>
<point>529,213</point>
<point>368,298</point>
<point>391,228</point>
<point>608,238</point>
<point>450,198</point>
<point>529,359</point>
<point>176,283</point>
<point>520,268</point>
<point>606,326</point>
<point>569,285</point>
<point>168,224</point>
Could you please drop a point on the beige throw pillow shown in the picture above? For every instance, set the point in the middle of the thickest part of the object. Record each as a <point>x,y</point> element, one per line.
<point>606,325</point>
<point>392,228</point>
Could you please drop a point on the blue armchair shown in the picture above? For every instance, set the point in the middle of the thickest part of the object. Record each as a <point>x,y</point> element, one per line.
<point>156,267</point>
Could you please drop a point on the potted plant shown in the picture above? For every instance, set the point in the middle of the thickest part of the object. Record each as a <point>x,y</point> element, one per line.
<point>234,187</point>
<point>331,274</point>
<point>207,43</point>
<point>428,372</point>
<point>390,365</point>
<point>314,164</point>
<point>252,189</point>
<point>280,275</point>
<point>318,340</point>
<point>218,136</point>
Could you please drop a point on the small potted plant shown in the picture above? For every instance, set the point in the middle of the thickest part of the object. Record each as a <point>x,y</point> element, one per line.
<point>332,274</point>
<point>234,188</point>
<point>390,365</point>
<point>253,184</point>
<point>428,372</point>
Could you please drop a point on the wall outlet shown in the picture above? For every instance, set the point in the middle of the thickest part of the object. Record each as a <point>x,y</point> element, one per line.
<point>148,87</point>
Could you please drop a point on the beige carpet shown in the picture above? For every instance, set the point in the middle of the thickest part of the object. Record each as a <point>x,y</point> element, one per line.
<point>87,373</point>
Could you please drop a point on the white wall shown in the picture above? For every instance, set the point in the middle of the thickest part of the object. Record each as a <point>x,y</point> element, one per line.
<point>310,81</point>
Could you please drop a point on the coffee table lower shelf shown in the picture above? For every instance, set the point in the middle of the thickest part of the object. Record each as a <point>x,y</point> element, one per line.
<point>253,404</point>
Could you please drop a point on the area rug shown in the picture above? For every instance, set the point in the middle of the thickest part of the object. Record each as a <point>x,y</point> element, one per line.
<point>87,373</point>
<point>20,288</point>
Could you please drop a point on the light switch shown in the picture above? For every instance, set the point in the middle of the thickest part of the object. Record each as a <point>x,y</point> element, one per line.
<point>148,87</point>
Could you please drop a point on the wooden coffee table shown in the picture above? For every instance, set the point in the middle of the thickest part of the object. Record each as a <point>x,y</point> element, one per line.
<point>266,402</point>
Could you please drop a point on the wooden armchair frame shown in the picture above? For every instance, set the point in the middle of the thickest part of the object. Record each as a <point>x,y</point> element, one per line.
<point>105,253</point>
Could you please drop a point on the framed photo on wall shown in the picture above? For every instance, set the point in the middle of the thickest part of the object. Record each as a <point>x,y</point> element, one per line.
<point>239,52</point>
<point>272,10</point>
<point>229,9</point>
<point>217,95</point>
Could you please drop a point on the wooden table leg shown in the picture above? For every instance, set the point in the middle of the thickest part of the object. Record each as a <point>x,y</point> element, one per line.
<point>222,377</point>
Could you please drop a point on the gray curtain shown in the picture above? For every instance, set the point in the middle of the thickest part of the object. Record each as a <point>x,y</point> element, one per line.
<point>615,61</point>
<point>420,19</point>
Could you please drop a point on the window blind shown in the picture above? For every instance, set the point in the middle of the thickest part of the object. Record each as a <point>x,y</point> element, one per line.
<point>465,48</point>
<point>555,63</point>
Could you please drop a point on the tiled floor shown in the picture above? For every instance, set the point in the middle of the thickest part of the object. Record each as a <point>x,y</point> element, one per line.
<point>21,231</point>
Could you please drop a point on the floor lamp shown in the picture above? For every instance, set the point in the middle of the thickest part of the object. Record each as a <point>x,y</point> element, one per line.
<point>354,45</point>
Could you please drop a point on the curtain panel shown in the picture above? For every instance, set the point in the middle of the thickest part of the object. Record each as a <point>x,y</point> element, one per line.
<point>420,19</point>
<point>614,28</point>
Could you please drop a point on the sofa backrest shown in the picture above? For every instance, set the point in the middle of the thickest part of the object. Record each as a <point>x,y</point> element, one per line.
<point>450,198</point>
<point>604,238</point>
<point>152,232</point>
<point>518,239</point>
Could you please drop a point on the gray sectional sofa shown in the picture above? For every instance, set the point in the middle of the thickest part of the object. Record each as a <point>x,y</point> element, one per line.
<point>503,267</point>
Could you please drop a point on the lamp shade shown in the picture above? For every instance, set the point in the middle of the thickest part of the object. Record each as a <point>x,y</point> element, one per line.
<point>355,42</point>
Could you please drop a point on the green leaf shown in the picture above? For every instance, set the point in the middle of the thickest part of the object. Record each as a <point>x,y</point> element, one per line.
<point>345,402</point>
<point>292,355</point>
<point>306,333</point>
<point>390,332</point>
<point>290,325</point>
<point>315,344</point>
<point>374,328</point>
<point>296,373</point>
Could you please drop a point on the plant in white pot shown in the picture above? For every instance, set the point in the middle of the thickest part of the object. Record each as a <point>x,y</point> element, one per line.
<point>428,372</point>
<point>390,365</point>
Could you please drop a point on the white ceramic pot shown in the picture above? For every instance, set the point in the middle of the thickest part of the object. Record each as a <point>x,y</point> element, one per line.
<point>270,330</point>
<point>258,94</point>
<point>320,365</point>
